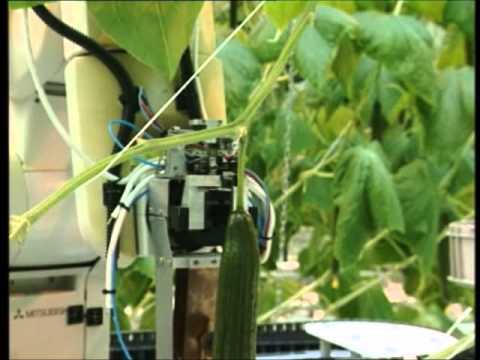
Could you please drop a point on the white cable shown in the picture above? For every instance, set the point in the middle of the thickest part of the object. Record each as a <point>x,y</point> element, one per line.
<point>46,103</point>
<point>179,91</point>
<point>117,228</point>
<point>133,178</point>
<point>130,196</point>
<point>197,79</point>
<point>255,188</point>
<point>266,254</point>
<point>127,178</point>
<point>138,190</point>
<point>260,193</point>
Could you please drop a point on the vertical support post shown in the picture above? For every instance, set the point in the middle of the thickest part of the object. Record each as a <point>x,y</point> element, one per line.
<point>164,308</point>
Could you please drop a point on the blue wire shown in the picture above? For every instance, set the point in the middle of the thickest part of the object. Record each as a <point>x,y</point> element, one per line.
<point>120,145</point>
<point>116,324</point>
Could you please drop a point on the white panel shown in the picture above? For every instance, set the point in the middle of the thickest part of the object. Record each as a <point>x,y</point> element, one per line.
<point>38,327</point>
<point>54,238</point>
<point>36,140</point>
<point>47,50</point>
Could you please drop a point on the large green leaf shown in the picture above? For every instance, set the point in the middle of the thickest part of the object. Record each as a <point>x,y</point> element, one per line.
<point>13,5</point>
<point>241,71</point>
<point>452,121</point>
<point>399,146</point>
<point>264,42</point>
<point>314,57</point>
<point>403,45</point>
<point>334,24</point>
<point>374,305</point>
<point>461,13</point>
<point>420,203</point>
<point>318,193</point>
<point>338,29</point>
<point>345,63</point>
<point>281,12</point>
<point>301,135</point>
<point>155,32</point>
<point>367,201</point>
<point>392,97</point>
<point>364,86</point>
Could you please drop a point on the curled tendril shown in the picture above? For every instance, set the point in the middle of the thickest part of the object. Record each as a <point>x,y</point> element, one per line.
<point>18,228</point>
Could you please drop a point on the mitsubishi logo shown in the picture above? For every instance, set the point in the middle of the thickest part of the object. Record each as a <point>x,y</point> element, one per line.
<point>18,315</point>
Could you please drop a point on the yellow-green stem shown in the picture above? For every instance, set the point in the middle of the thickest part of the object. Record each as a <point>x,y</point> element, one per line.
<point>242,161</point>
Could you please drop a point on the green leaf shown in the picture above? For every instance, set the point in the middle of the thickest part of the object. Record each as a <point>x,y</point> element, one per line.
<point>420,203</point>
<point>344,5</point>
<point>382,5</point>
<point>461,13</point>
<point>147,322</point>
<point>452,53</point>
<point>430,9</point>
<point>264,42</point>
<point>345,63</point>
<point>132,287</point>
<point>314,57</point>
<point>13,5</point>
<point>388,39</point>
<point>241,71</point>
<point>333,24</point>
<point>318,193</point>
<point>144,265</point>
<point>465,173</point>
<point>392,97</point>
<point>399,146</point>
<point>155,32</point>
<point>451,123</point>
<point>302,137</point>
<point>374,305</point>
<point>364,87</point>
<point>367,201</point>
<point>281,12</point>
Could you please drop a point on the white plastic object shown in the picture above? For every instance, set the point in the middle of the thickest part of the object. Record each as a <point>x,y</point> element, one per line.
<point>462,252</point>
<point>380,340</point>
<point>47,48</point>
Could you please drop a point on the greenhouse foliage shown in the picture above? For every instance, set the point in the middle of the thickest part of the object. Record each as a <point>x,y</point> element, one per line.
<point>366,139</point>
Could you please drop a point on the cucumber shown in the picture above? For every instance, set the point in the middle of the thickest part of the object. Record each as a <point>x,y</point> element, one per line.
<point>235,334</point>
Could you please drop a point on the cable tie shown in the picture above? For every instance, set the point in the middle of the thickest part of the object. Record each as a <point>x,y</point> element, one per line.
<point>124,206</point>
<point>106,292</point>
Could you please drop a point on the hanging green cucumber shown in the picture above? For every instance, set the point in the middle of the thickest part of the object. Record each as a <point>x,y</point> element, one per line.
<point>235,322</point>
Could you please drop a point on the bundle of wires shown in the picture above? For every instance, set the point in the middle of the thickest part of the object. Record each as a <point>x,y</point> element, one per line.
<point>148,112</point>
<point>135,188</point>
<point>266,218</point>
<point>121,146</point>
